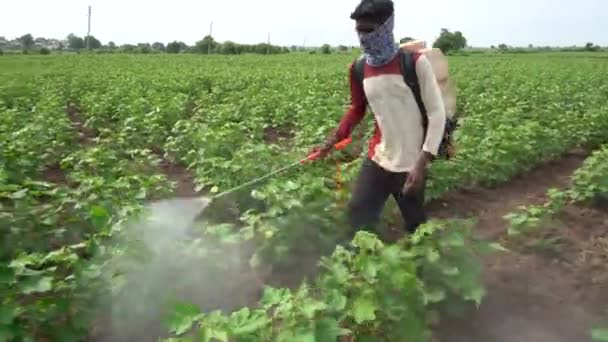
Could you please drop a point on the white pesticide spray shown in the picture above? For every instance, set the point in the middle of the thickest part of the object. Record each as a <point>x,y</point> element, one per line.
<point>164,257</point>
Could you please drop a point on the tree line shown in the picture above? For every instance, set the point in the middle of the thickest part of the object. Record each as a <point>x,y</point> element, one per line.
<point>204,46</point>
<point>448,42</point>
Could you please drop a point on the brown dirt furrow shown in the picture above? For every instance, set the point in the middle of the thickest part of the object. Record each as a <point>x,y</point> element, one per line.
<point>86,135</point>
<point>489,205</point>
<point>552,286</point>
<point>183,178</point>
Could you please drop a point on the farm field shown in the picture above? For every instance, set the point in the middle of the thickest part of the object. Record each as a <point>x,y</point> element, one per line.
<point>86,141</point>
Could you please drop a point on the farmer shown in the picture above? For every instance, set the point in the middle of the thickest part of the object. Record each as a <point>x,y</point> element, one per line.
<point>399,152</point>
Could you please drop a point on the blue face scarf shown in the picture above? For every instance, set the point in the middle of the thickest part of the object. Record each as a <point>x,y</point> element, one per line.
<point>379,46</point>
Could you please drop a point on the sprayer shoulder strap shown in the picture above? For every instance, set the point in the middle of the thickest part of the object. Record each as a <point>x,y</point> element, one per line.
<point>408,69</point>
<point>358,69</point>
<point>410,77</point>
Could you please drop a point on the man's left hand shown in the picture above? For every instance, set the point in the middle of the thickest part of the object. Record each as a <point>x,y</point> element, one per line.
<point>415,178</point>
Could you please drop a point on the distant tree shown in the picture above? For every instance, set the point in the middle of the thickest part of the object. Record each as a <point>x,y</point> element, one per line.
<point>229,48</point>
<point>112,45</point>
<point>342,48</point>
<point>144,48</point>
<point>95,43</point>
<point>158,46</point>
<point>60,47</point>
<point>285,49</point>
<point>75,42</point>
<point>205,45</point>
<point>261,48</point>
<point>530,46</point>
<point>590,47</point>
<point>128,48</point>
<point>493,47</point>
<point>449,41</point>
<point>503,46</point>
<point>27,41</point>
<point>1,52</point>
<point>45,51</point>
<point>406,39</point>
<point>326,49</point>
<point>176,47</point>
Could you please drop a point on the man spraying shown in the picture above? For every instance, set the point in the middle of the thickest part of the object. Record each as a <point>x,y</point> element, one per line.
<point>403,143</point>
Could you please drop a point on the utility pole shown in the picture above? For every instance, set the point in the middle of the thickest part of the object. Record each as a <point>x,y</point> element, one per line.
<point>89,31</point>
<point>210,37</point>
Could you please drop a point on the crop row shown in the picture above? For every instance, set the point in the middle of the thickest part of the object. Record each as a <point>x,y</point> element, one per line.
<point>84,139</point>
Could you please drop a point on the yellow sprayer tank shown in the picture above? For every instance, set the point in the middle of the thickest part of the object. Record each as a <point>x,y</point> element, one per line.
<point>440,66</point>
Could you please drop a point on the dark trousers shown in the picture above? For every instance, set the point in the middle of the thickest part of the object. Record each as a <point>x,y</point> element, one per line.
<point>373,188</point>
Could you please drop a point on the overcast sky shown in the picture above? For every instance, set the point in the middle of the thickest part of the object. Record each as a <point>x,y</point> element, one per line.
<point>292,22</point>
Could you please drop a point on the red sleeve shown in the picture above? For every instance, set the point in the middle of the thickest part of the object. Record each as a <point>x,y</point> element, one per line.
<point>357,108</point>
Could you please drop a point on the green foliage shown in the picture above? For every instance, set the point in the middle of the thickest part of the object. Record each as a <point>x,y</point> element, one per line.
<point>45,51</point>
<point>448,41</point>
<point>176,47</point>
<point>600,335</point>
<point>589,183</point>
<point>66,180</point>
<point>369,290</point>
<point>92,42</point>
<point>27,41</point>
<point>326,49</point>
<point>206,45</point>
<point>75,42</point>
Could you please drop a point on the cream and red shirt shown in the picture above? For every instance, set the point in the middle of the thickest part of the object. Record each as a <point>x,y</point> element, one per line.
<point>399,132</point>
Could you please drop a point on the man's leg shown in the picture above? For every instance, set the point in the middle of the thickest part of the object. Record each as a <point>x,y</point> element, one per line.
<point>370,194</point>
<point>412,207</point>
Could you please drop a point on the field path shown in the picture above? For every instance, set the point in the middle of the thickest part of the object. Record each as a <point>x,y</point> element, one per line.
<point>532,295</point>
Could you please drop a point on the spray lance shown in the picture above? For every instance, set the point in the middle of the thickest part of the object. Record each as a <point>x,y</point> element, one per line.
<point>189,208</point>
<point>313,156</point>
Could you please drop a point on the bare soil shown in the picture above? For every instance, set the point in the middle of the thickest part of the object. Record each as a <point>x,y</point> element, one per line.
<point>184,178</point>
<point>553,286</point>
<point>86,135</point>
<point>54,174</point>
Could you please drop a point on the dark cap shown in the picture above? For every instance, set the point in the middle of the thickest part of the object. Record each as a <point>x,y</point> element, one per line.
<point>376,11</point>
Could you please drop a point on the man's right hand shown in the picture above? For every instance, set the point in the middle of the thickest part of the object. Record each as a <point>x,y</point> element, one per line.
<point>329,146</point>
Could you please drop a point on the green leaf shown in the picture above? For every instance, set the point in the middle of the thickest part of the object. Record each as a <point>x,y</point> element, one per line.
<point>364,309</point>
<point>99,215</point>
<point>8,312</point>
<point>336,300</point>
<point>476,294</point>
<point>183,317</point>
<point>7,333</point>
<point>432,255</point>
<point>600,335</point>
<point>310,308</point>
<point>36,285</point>
<point>497,246</point>
<point>250,326</point>
<point>7,275</point>
<point>19,194</point>
<point>141,195</point>
<point>453,239</point>
<point>210,334</point>
<point>329,329</point>
<point>434,296</point>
